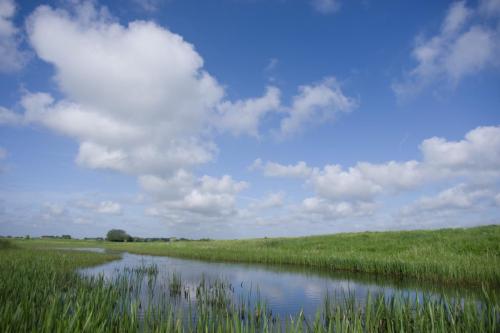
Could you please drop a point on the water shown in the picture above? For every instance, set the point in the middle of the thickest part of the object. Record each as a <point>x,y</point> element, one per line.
<point>88,249</point>
<point>286,290</point>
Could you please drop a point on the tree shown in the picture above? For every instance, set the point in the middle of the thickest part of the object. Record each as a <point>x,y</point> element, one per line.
<point>118,235</point>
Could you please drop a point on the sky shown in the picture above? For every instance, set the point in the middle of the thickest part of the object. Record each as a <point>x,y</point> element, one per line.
<point>248,118</point>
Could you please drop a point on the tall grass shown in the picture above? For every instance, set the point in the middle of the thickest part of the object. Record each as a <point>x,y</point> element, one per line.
<point>453,256</point>
<point>5,244</point>
<point>40,291</point>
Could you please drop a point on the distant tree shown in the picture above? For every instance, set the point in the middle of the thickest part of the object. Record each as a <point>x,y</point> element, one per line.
<point>118,235</point>
<point>66,236</point>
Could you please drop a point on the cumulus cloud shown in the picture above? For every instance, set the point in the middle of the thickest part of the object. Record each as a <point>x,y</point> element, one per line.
<point>244,116</point>
<point>205,195</point>
<point>11,56</point>
<point>271,200</point>
<point>326,6</point>
<point>51,211</point>
<point>467,43</point>
<point>337,184</point>
<point>474,161</point>
<point>272,169</point>
<point>458,199</point>
<point>109,207</point>
<point>477,153</point>
<point>319,209</point>
<point>136,101</point>
<point>172,187</point>
<point>315,103</point>
<point>396,176</point>
<point>8,117</point>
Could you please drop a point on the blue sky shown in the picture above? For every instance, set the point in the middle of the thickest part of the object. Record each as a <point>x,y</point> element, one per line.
<point>235,118</point>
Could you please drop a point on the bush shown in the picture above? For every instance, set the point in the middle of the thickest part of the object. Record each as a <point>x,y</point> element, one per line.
<point>118,235</point>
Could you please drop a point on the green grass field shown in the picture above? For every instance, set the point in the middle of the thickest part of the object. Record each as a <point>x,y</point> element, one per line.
<point>41,292</point>
<point>456,256</point>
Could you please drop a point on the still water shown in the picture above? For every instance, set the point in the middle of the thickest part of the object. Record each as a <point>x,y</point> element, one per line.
<point>286,290</point>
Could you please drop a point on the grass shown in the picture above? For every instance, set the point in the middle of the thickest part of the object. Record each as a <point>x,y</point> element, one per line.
<point>5,244</point>
<point>40,291</point>
<point>449,256</point>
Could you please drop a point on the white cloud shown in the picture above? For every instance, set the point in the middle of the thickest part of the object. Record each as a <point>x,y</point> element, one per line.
<point>244,116</point>
<point>476,159</point>
<point>206,196</point>
<point>454,200</point>
<point>272,200</point>
<point>148,5</point>
<point>336,184</point>
<point>272,169</point>
<point>489,7</point>
<point>11,57</point>
<point>347,193</point>
<point>394,175</point>
<point>271,65</point>
<point>466,44</point>
<point>315,103</point>
<point>51,211</point>
<point>322,209</point>
<point>471,52</point>
<point>457,15</point>
<point>173,187</point>
<point>477,154</point>
<point>455,197</point>
<point>3,156</point>
<point>108,207</point>
<point>7,117</point>
<point>326,6</point>
<point>137,100</point>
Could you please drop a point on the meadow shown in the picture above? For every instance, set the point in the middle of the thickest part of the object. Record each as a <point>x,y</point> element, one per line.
<point>41,291</point>
<point>448,256</point>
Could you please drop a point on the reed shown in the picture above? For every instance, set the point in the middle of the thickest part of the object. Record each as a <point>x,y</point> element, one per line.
<point>5,244</point>
<point>41,291</point>
<point>448,256</point>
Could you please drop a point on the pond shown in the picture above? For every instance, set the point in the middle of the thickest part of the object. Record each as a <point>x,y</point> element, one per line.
<point>286,290</point>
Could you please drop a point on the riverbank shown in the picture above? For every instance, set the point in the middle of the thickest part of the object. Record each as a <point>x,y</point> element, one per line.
<point>457,256</point>
<point>41,291</point>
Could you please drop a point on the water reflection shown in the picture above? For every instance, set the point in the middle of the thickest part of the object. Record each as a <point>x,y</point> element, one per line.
<point>286,289</point>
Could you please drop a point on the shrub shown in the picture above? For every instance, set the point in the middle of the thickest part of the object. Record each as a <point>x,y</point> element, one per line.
<point>118,235</point>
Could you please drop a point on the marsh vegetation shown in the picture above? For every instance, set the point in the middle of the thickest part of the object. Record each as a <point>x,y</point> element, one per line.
<point>42,288</point>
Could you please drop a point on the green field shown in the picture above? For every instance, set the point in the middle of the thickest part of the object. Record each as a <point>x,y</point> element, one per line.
<point>456,256</point>
<point>41,292</point>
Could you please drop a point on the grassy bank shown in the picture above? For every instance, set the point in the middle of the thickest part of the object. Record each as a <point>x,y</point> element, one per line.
<point>459,256</point>
<point>39,291</point>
